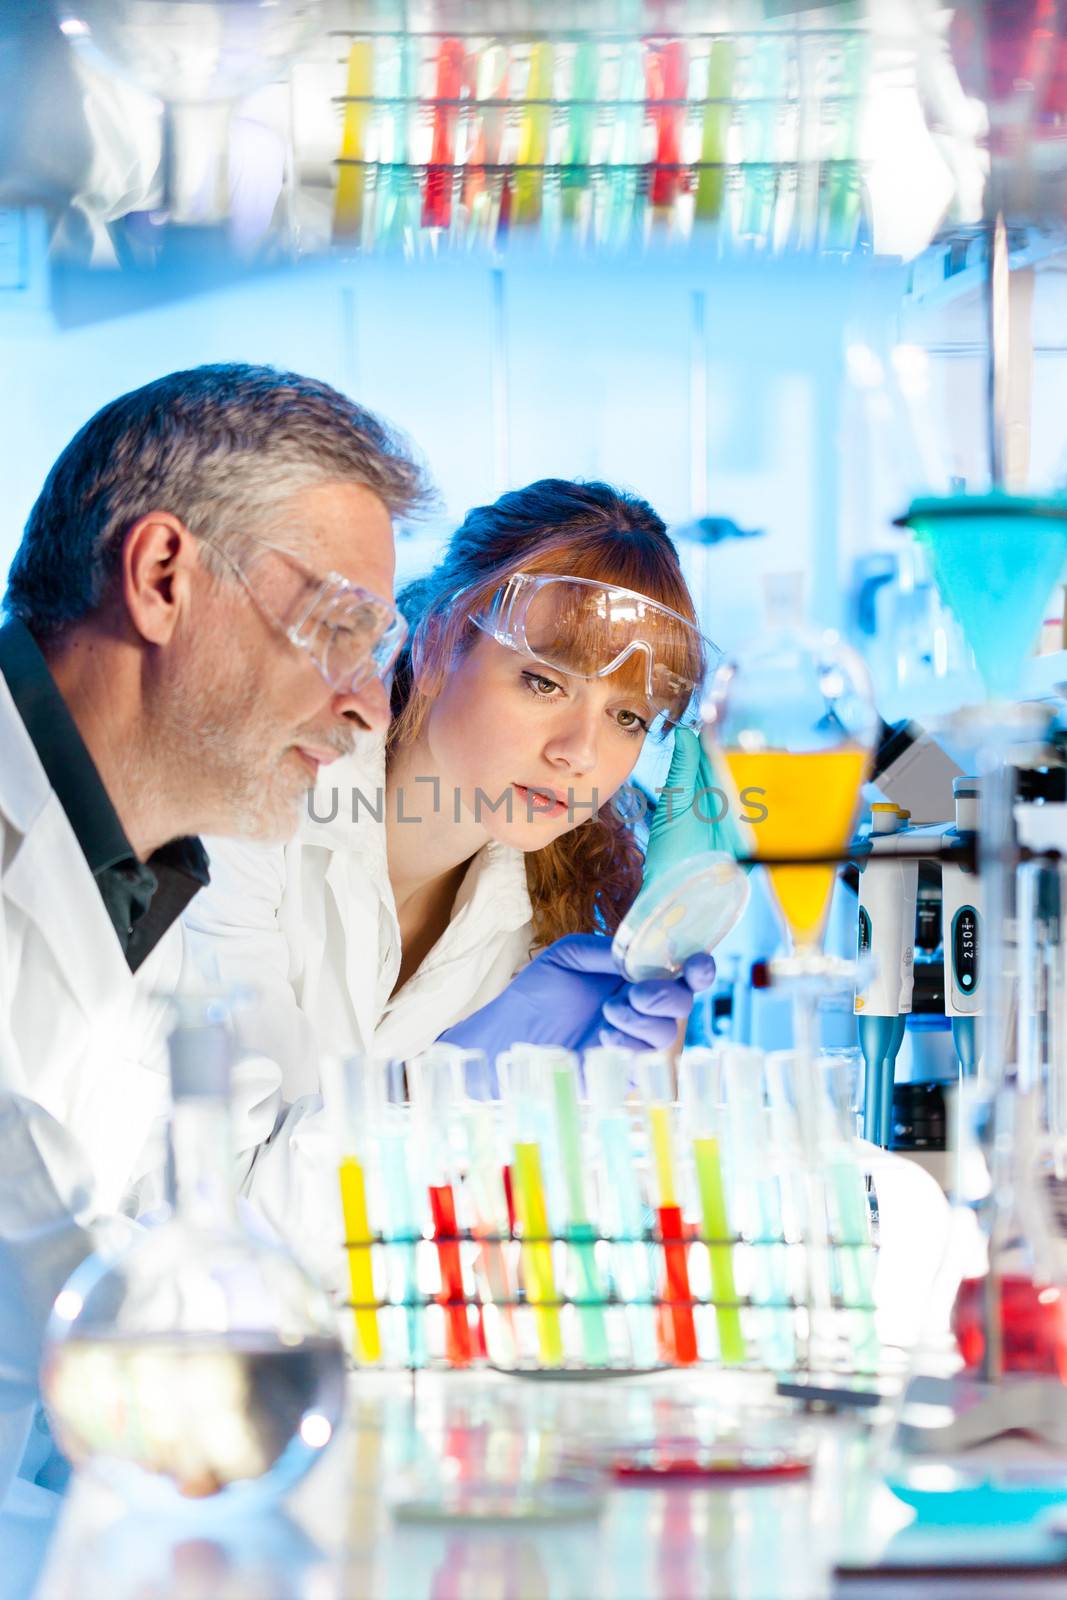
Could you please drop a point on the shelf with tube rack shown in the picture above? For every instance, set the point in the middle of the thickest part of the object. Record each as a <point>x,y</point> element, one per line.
<point>754,130</point>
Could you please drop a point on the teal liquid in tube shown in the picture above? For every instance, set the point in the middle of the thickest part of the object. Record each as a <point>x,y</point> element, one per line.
<point>402,1224</point>
<point>771,1280</point>
<point>626,147</point>
<point>578,146</point>
<point>759,122</point>
<point>845,193</point>
<point>580,1233</point>
<point>633,1268</point>
<point>855,1258</point>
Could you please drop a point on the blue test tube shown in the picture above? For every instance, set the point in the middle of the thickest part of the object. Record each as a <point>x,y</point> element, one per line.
<point>608,1073</point>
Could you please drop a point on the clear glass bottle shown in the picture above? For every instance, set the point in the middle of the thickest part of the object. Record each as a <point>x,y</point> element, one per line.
<point>201,1362</point>
<point>1009,1315</point>
<point>993,1361</point>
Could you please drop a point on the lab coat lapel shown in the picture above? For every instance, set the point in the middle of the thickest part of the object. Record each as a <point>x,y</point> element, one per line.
<point>48,878</point>
<point>74,1020</point>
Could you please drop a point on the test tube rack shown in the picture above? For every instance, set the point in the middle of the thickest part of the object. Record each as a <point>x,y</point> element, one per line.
<point>467,1299</point>
<point>606,136</point>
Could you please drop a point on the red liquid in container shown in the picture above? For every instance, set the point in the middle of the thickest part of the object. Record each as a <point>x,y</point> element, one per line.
<point>457,1328</point>
<point>674,1253</point>
<point>1033,1325</point>
<point>437,197</point>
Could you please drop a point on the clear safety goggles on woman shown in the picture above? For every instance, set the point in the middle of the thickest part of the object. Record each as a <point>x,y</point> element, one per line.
<point>589,629</point>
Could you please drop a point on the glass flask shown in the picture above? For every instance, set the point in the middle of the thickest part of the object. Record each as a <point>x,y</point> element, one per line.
<point>790,721</point>
<point>199,57</point>
<point>994,1358</point>
<point>200,1363</point>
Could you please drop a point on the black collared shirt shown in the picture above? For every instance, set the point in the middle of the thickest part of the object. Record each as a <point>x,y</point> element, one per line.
<point>143,898</point>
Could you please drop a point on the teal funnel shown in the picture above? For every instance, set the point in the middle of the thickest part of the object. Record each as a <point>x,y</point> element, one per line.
<point>996,558</point>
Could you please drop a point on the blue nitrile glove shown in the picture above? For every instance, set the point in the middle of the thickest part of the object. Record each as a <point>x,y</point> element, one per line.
<point>574,995</point>
<point>680,828</point>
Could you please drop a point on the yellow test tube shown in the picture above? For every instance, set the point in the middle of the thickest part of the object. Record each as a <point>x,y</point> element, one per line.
<point>352,175</point>
<point>368,1346</point>
<point>344,1090</point>
<point>537,1258</point>
<point>533,136</point>
<point>659,1127</point>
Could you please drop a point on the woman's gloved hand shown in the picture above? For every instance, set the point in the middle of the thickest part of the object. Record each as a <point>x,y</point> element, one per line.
<point>683,824</point>
<point>574,995</point>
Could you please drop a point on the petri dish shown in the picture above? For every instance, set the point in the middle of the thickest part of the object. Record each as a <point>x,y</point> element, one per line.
<point>659,1463</point>
<point>688,909</point>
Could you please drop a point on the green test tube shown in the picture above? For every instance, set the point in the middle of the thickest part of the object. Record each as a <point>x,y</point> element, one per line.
<point>580,1232</point>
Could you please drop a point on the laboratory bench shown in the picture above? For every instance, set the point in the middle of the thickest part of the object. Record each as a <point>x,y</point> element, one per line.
<point>345,1533</point>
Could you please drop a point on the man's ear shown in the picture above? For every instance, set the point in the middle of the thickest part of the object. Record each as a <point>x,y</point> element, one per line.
<point>158,559</point>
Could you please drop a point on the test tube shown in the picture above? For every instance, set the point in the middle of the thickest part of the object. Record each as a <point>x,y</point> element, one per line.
<point>533,135</point>
<point>850,1213</point>
<point>809,51</point>
<point>845,193</point>
<point>626,145</point>
<point>437,202</point>
<point>480,182</point>
<point>667,88</point>
<point>795,1122</point>
<point>607,1075</point>
<point>590,1297</point>
<point>718,114</point>
<point>481,1117</point>
<point>435,1095</point>
<point>389,1128</point>
<point>581,121</point>
<point>757,1188</point>
<point>352,173</point>
<point>526,1091</point>
<point>655,1077</point>
<point>397,208</point>
<point>760,109</point>
<point>699,1084</point>
<point>343,1095</point>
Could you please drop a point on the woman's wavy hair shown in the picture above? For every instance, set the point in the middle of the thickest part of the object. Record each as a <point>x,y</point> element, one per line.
<point>586,880</point>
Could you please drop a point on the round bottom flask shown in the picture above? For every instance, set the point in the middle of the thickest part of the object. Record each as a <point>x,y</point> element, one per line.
<point>200,1363</point>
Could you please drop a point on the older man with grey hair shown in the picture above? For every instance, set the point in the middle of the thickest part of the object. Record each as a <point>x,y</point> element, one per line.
<point>199,617</point>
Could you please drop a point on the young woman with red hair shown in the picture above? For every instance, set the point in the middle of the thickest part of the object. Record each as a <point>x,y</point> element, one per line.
<point>489,834</point>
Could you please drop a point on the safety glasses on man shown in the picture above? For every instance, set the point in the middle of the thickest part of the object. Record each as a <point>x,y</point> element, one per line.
<point>350,634</point>
<point>589,629</point>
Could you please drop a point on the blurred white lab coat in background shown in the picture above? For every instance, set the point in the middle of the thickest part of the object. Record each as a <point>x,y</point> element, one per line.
<point>311,929</point>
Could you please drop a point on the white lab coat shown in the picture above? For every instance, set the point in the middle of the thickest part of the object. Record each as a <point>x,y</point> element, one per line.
<point>79,1090</point>
<point>312,928</point>
<point>83,1083</point>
